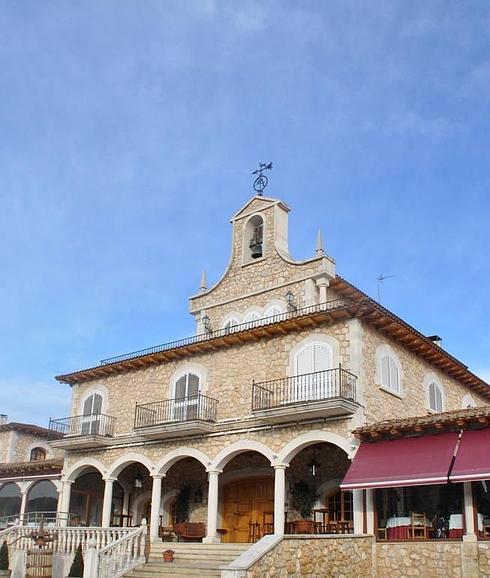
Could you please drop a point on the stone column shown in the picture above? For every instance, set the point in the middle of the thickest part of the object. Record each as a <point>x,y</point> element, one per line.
<point>213,481</point>
<point>107,505</point>
<point>156,498</point>
<point>358,511</point>
<point>370,511</point>
<point>469,515</point>
<point>23,504</point>
<point>279,498</point>
<point>65,502</point>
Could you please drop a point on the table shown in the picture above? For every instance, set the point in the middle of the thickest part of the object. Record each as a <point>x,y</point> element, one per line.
<point>456,525</point>
<point>398,528</point>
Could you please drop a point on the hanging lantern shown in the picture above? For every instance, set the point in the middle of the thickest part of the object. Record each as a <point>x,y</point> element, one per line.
<point>138,481</point>
<point>313,467</point>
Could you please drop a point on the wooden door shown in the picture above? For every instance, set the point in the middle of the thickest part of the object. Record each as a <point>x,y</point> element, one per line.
<point>247,502</point>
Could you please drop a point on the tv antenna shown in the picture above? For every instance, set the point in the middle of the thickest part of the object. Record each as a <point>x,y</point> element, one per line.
<point>380,280</point>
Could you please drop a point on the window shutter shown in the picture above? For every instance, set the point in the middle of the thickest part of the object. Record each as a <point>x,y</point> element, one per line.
<point>193,385</point>
<point>439,399</point>
<point>432,396</point>
<point>394,375</point>
<point>87,406</point>
<point>322,357</point>
<point>97,405</point>
<point>180,387</point>
<point>385,371</point>
<point>304,361</point>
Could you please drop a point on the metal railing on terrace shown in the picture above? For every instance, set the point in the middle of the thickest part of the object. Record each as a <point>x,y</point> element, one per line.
<point>98,424</point>
<point>194,407</point>
<point>326,306</point>
<point>309,387</point>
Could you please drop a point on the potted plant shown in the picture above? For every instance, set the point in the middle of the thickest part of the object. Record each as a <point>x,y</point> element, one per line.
<point>4,560</point>
<point>168,555</point>
<point>76,570</point>
<point>303,497</point>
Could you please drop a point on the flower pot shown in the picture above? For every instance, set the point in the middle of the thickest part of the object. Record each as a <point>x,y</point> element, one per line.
<point>168,556</point>
<point>304,526</point>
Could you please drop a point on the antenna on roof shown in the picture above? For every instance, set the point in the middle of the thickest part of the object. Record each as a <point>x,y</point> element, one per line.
<point>380,280</point>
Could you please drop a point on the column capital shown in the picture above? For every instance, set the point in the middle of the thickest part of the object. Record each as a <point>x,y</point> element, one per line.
<point>214,471</point>
<point>158,476</point>
<point>280,466</point>
<point>68,482</point>
<point>109,479</point>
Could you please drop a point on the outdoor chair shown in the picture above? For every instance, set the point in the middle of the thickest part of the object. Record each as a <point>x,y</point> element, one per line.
<point>418,526</point>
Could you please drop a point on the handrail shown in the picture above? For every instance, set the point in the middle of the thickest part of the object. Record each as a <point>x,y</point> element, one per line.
<point>325,306</point>
<point>176,410</point>
<point>81,425</point>
<point>304,388</point>
<point>123,555</point>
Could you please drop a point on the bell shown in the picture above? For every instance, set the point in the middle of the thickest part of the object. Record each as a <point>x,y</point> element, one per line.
<point>256,250</point>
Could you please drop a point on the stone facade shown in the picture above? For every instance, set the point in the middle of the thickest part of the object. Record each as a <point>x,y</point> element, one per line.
<point>324,557</point>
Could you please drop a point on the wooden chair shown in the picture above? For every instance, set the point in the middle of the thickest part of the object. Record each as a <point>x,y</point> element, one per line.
<point>267,523</point>
<point>486,530</point>
<point>382,534</point>
<point>253,532</point>
<point>418,526</point>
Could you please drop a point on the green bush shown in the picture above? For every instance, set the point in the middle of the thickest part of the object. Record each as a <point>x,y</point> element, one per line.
<point>183,504</point>
<point>4,557</point>
<point>76,570</point>
<point>303,498</point>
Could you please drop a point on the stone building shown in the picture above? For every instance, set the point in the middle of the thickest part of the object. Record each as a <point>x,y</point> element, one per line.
<point>231,427</point>
<point>30,473</point>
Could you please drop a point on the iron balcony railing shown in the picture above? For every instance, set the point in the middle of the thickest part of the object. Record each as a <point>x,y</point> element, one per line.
<point>309,387</point>
<point>98,424</point>
<point>326,306</point>
<point>194,407</point>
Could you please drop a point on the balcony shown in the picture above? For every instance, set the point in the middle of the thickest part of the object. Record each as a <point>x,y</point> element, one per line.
<point>183,416</point>
<point>81,431</point>
<point>329,393</point>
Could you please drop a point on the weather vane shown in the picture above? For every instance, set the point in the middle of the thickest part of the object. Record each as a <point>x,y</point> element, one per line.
<point>261,181</point>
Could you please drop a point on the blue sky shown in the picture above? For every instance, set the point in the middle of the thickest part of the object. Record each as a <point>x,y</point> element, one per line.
<point>128,131</point>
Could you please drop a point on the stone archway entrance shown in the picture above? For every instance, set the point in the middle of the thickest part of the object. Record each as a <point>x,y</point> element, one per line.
<point>248,506</point>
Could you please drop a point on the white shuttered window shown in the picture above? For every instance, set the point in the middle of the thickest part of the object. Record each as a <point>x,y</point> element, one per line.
<point>390,374</point>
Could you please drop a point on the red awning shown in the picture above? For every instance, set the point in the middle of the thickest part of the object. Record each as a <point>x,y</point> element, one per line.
<point>416,461</point>
<point>473,458</point>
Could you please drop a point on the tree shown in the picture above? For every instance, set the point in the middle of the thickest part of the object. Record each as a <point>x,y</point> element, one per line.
<point>76,570</point>
<point>303,498</point>
<point>4,557</point>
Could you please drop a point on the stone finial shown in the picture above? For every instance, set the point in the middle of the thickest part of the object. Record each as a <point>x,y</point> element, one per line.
<point>319,244</point>
<point>204,284</point>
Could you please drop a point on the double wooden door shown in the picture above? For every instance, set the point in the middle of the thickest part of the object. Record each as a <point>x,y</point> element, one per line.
<point>247,508</point>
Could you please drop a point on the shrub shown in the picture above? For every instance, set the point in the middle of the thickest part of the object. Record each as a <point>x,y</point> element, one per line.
<point>76,570</point>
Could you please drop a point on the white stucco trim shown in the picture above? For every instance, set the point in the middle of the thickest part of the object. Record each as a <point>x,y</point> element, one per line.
<point>429,378</point>
<point>228,453</point>
<point>178,454</point>
<point>32,483</point>
<point>118,466</point>
<point>96,388</point>
<point>315,337</point>
<point>468,401</point>
<point>19,485</point>
<point>234,316</point>
<point>280,303</point>
<point>42,445</point>
<point>381,351</point>
<point>297,444</point>
<point>78,468</point>
<point>190,367</point>
<point>245,239</point>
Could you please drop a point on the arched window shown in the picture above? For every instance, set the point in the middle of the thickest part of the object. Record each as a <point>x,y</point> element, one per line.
<point>229,324</point>
<point>91,422</point>
<point>253,239</point>
<point>10,500</point>
<point>251,318</point>
<point>42,497</point>
<point>468,401</point>
<point>435,397</point>
<point>313,380</point>
<point>186,394</point>
<point>272,312</point>
<point>388,369</point>
<point>38,455</point>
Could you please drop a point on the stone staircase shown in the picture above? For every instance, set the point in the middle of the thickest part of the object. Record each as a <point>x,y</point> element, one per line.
<point>191,559</point>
